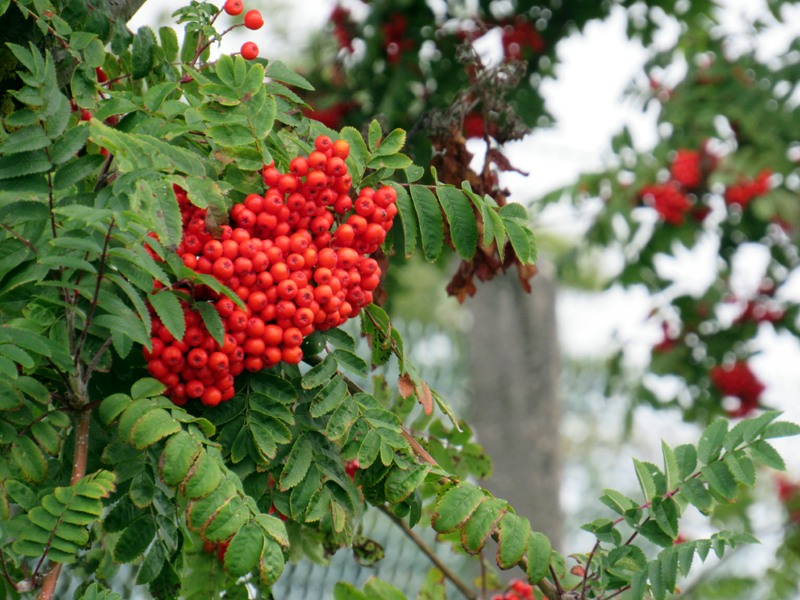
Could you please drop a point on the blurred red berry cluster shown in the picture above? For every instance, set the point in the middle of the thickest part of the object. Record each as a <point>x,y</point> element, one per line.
<point>747,189</point>
<point>685,169</point>
<point>517,590</point>
<point>668,200</point>
<point>394,41</point>
<point>343,27</point>
<point>738,381</point>
<point>518,36</point>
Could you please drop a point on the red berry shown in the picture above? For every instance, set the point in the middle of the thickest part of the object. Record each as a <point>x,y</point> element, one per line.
<point>234,7</point>
<point>253,20</point>
<point>249,49</point>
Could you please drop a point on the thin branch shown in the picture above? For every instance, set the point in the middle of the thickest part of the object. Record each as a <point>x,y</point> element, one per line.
<point>101,179</point>
<point>202,48</point>
<point>41,417</point>
<point>559,589</point>
<point>5,572</point>
<point>62,291</point>
<point>588,566</point>
<point>20,238</point>
<point>61,374</point>
<point>618,592</point>
<point>630,539</point>
<point>463,587</point>
<point>88,321</point>
<point>96,359</point>
<point>81,452</point>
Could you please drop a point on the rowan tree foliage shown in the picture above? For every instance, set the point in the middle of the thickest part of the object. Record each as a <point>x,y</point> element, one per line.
<point>180,245</point>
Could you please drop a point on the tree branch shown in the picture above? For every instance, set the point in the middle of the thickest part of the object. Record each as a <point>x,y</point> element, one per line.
<point>88,321</point>
<point>82,421</point>
<point>96,359</point>
<point>20,238</point>
<point>588,566</point>
<point>462,587</point>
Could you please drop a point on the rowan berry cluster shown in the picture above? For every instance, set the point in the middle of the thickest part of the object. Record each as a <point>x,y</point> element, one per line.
<point>747,189</point>
<point>738,381</point>
<point>517,590</point>
<point>685,169</point>
<point>283,262</point>
<point>687,172</point>
<point>668,201</point>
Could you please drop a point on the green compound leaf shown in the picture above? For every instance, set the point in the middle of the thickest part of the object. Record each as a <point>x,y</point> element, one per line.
<point>696,493</point>
<point>342,418</point>
<point>514,532</point>
<point>391,144</point>
<point>720,479</point>
<point>431,227</point>
<point>168,308</point>
<point>455,507</point>
<point>539,553</point>
<point>666,512</point>
<point>481,524</point>
<point>352,362</point>
<point>320,374</point>
<point>329,397</point>
<point>142,53</point>
<point>29,459</point>
<point>279,71</point>
<point>671,469</point>
<point>764,453</point>
<point>271,564</point>
<point>741,467</point>
<point>711,441</point>
<point>781,429</point>
<point>408,219</point>
<point>369,449</point>
<point>153,426</point>
<point>519,239</point>
<point>645,480</point>
<point>686,455</point>
<point>297,464</point>
<point>273,387</point>
<point>134,540</point>
<point>461,218</point>
<point>401,483</point>
<point>152,564</point>
<point>245,549</point>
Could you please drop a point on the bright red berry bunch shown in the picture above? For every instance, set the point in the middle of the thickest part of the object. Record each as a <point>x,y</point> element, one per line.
<point>743,192</point>
<point>685,169</point>
<point>668,201</point>
<point>296,258</point>
<point>741,382</point>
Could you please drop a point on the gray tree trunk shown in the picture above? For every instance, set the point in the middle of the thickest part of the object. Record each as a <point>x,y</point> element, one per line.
<point>515,368</point>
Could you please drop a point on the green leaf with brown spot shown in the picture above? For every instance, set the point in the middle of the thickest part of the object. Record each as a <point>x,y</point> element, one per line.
<point>481,524</point>
<point>455,507</point>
